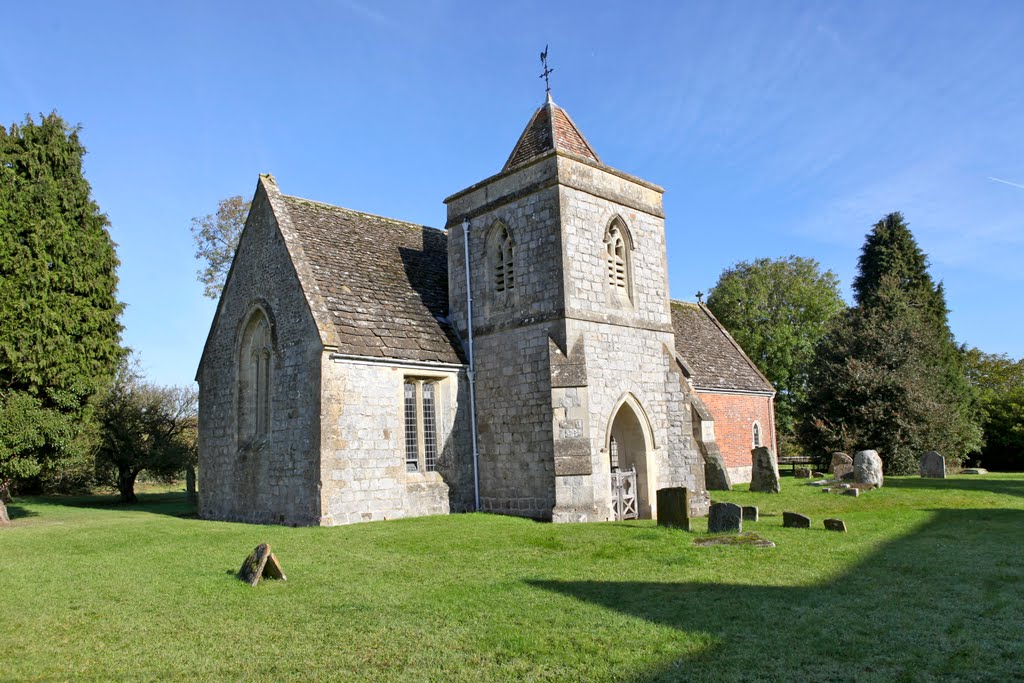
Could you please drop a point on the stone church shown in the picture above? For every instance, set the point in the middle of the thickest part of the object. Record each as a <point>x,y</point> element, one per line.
<point>525,360</point>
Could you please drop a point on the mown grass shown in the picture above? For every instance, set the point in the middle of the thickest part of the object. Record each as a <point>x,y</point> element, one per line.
<point>927,585</point>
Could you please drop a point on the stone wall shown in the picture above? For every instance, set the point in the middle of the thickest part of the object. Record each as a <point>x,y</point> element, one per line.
<point>734,416</point>
<point>271,479</point>
<point>363,462</point>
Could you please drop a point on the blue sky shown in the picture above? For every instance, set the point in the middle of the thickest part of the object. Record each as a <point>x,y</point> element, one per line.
<point>776,128</point>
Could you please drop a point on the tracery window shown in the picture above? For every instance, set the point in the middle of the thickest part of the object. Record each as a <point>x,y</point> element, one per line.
<point>502,259</point>
<point>420,412</point>
<point>254,377</point>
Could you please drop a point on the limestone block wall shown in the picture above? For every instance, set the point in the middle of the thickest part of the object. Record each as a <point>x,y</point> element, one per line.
<point>734,416</point>
<point>272,479</point>
<point>363,449</point>
<point>513,393</point>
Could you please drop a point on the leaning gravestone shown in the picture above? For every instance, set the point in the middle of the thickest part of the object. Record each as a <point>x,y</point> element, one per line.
<point>723,517</point>
<point>260,563</point>
<point>716,476</point>
<point>795,520</point>
<point>750,513</point>
<point>933,466</point>
<point>674,508</point>
<point>764,477</point>
<point>835,525</point>
<point>867,468</point>
<point>839,459</point>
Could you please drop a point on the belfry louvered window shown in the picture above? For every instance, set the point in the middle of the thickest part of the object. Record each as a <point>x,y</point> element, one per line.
<point>502,257</point>
<point>420,410</point>
<point>617,262</point>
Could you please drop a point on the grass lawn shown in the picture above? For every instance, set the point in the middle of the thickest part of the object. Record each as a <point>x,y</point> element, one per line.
<point>927,585</point>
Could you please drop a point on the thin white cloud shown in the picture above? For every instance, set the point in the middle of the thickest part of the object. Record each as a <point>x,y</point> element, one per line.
<point>1007,182</point>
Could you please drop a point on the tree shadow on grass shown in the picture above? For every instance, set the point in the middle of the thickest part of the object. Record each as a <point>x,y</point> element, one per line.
<point>171,503</point>
<point>19,512</point>
<point>980,483</point>
<point>942,602</point>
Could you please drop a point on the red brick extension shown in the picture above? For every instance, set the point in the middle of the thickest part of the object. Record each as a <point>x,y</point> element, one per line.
<point>734,416</point>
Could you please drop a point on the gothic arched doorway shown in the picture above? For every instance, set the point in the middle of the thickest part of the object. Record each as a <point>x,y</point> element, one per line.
<point>629,445</point>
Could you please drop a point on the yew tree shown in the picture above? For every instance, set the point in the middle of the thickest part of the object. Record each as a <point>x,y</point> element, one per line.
<point>59,314</point>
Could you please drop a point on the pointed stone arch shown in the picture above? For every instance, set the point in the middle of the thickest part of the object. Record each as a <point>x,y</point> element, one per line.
<point>618,248</point>
<point>501,256</point>
<point>630,429</point>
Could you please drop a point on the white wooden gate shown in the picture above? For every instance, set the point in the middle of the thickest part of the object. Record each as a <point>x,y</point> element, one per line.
<point>624,493</point>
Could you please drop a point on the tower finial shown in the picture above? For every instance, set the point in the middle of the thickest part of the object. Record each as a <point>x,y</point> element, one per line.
<point>546,72</point>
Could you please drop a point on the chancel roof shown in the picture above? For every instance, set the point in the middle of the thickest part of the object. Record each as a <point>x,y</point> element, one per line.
<point>714,357</point>
<point>549,128</point>
<point>383,282</point>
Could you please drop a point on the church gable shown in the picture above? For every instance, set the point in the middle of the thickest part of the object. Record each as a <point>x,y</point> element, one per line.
<point>383,282</point>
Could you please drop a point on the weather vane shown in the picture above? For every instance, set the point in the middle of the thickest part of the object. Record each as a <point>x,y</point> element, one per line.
<point>544,75</point>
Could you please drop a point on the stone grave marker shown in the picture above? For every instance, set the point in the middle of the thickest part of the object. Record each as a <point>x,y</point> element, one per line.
<point>867,468</point>
<point>839,459</point>
<point>842,471</point>
<point>795,520</point>
<point>764,477</point>
<point>750,513</point>
<point>974,470</point>
<point>674,507</point>
<point>933,466</point>
<point>716,476</point>
<point>724,517</point>
<point>260,563</point>
<point>835,525</point>
<point>851,492</point>
<point>802,473</point>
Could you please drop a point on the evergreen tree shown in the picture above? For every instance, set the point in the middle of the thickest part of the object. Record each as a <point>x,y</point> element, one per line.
<point>889,375</point>
<point>59,329</point>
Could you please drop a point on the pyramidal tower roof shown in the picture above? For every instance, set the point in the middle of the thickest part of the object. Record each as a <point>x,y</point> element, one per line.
<point>549,128</point>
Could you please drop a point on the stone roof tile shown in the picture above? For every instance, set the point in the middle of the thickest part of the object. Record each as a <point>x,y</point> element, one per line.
<point>716,360</point>
<point>385,282</point>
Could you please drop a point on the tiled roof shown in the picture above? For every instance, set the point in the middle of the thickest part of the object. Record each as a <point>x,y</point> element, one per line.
<point>549,128</point>
<point>384,283</point>
<point>716,360</point>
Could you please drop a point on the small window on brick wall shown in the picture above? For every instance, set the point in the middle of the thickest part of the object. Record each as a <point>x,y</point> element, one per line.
<point>502,259</point>
<point>756,429</point>
<point>420,412</point>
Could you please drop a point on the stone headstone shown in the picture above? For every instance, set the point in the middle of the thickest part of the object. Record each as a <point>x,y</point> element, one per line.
<point>835,525</point>
<point>4,519</point>
<point>839,459</point>
<point>851,492</point>
<point>716,476</point>
<point>841,470</point>
<point>867,468</point>
<point>933,466</point>
<point>261,563</point>
<point>724,517</point>
<point>750,513</point>
<point>802,473</point>
<point>795,520</point>
<point>764,477</point>
<point>674,508</point>
<point>974,470</point>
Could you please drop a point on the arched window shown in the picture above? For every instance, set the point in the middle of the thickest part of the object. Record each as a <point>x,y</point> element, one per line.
<point>502,259</point>
<point>617,244</point>
<point>756,429</point>
<point>254,373</point>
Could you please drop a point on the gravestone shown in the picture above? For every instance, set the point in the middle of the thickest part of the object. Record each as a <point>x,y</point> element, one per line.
<point>839,459</point>
<point>725,517</point>
<point>674,508</point>
<point>867,468</point>
<point>841,470</point>
<point>974,470</point>
<point>802,473</point>
<point>835,525</point>
<point>795,520</point>
<point>716,476</point>
<point>261,563</point>
<point>851,492</point>
<point>750,513</point>
<point>817,475</point>
<point>933,466</point>
<point>4,519</point>
<point>764,477</point>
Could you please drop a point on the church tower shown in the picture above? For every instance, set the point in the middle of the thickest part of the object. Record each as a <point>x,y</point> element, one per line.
<point>575,371</point>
